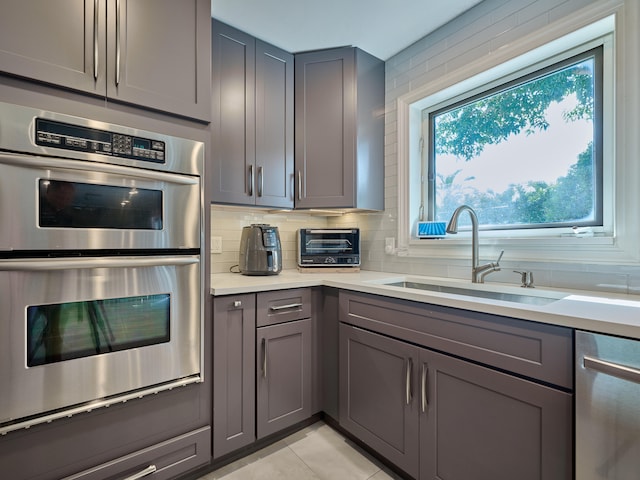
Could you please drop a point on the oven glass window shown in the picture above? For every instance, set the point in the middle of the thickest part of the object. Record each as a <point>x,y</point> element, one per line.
<point>64,331</point>
<point>337,244</point>
<point>83,205</point>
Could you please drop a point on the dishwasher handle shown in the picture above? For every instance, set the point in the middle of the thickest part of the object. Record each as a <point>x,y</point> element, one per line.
<point>614,369</point>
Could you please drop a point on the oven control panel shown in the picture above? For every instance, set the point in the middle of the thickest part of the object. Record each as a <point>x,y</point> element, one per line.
<point>51,133</point>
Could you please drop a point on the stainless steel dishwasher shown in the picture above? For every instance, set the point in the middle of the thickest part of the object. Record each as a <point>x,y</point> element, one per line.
<point>607,407</point>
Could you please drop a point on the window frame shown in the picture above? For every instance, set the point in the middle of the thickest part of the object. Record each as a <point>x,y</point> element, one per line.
<point>503,84</point>
<point>564,246</point>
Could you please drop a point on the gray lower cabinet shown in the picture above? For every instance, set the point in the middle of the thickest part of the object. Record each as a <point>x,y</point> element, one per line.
<point>252,125</point>
<point>339,129</point>
<point>375,400</point>
<point>439,417</point>
<point>487,409</point>
<point>234,351</point>
<point>148,53</point>
<point>284,376</point>
<point>265,377</point>
<point>164,461</point>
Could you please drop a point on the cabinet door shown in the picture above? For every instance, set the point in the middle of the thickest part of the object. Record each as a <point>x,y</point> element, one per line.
<point>233,122</point>
<point>487,425</point>
<point>283,375</point>
<point>159,56</point>
<point>274,126</point>
<point>325,128</point>
<point>377,387</point>
<point>61,42</point>
<point>233,373</point>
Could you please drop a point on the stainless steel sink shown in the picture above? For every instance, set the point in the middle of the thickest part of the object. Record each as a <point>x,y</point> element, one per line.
<point>505,297</point>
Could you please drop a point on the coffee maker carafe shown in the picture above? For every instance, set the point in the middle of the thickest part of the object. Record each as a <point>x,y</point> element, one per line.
<point>260,250</point>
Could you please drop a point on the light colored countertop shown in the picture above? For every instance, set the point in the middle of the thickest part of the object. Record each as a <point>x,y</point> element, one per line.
<point>594,311</point>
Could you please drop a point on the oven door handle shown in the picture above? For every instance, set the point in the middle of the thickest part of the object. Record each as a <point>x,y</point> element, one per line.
<point>66,263</point>
<point>22,160</point>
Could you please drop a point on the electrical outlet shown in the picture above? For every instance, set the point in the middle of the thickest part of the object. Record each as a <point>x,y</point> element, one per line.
<point>216,244</point>
<point>389,244</point>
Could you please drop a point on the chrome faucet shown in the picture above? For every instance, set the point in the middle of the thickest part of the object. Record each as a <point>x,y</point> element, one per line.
<point>478,272</point>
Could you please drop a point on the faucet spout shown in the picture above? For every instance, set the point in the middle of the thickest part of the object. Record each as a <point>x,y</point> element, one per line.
<point>478,272</point>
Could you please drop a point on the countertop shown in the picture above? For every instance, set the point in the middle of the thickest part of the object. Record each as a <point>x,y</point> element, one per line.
<point>607,313</point>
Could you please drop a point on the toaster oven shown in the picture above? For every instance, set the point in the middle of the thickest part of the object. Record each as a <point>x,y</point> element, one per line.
<point>333,247</point>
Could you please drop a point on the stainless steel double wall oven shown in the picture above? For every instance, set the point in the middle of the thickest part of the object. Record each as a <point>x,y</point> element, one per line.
<point>100,264</point>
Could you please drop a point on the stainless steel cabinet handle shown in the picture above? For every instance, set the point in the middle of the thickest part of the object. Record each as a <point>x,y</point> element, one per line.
<point>251,180</point>
<point>284,307</point>
<point>423,387</point>
<point>620,371</point>
<point>237,304</point>
<point>95,39</point>
<point>118,43</point>
<point>147,471</point>
<point>408,381</point>
<point>260,181</point>
<point>299,185</point>
<point>264,357</point>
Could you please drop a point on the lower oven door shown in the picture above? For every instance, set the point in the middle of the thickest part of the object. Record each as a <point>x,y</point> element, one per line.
<point>83,330</point>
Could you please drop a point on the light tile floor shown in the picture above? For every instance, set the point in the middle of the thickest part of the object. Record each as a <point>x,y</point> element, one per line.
<point>316,452</point>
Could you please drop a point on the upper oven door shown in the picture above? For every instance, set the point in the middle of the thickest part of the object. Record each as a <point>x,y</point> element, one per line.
<point>60,204</point>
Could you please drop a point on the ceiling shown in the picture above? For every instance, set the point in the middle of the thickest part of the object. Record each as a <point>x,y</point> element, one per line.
<point>380,27</point>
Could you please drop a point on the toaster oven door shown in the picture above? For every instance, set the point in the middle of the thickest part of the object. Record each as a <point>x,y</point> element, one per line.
<point>329,247</point>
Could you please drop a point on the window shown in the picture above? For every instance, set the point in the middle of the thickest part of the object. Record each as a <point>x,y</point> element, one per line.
<point>524,153</point>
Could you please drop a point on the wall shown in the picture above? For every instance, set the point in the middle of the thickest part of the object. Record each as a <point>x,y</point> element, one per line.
<point>483,31</point>
<point>227,222</point>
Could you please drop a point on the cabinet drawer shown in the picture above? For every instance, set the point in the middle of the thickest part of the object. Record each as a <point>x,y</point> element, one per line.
<point>162,461</point>
<point>282,306</point>
<point>531,349</point>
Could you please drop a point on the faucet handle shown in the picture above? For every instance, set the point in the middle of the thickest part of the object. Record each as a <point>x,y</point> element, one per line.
<point>499,258</point>
<point>526,278</point>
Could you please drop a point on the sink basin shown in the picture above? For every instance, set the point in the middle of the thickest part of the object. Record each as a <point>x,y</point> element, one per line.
<point>503,296</point>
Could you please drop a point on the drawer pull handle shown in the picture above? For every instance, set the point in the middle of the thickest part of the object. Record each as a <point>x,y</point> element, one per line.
<point>408,381</point>
<point>147,471</point>
<point>285,307</point>
<point>620,371</point>
<point>423,387</point>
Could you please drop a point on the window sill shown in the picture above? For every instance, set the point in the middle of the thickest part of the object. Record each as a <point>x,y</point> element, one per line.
<point>595,250</point>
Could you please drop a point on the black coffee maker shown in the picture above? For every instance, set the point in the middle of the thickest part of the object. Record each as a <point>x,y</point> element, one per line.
<point>260,250</point>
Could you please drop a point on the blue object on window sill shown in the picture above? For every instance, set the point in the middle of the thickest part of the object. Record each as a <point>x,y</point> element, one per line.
<point>432,229</point>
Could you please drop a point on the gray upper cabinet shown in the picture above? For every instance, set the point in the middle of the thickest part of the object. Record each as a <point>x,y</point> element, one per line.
<point>61,42</point>
<point>158,55</point>
<point>144,52</point>
<point>252,104</point>
<point>339,156</point>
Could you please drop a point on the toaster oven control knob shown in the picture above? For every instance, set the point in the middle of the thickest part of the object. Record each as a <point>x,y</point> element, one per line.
<point>329,260</point>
